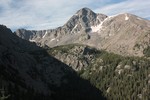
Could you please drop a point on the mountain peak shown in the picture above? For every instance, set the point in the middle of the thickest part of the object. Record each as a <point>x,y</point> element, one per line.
<point>85,11</point>
<point>3,28</point>
<point>85,8</point>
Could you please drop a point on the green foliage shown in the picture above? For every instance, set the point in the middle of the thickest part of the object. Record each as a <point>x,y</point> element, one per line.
<point>3,95</point>
<point>137,46</point>
<point>118,77</point>
<point>63,48</point>
<point>146,52</point>
<point>127,85</point>
<point>131,83</point>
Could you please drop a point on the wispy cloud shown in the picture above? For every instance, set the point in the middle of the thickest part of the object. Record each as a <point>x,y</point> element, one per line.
<point>38,14</point>
<point>45,14</point>
<point>138,7</point>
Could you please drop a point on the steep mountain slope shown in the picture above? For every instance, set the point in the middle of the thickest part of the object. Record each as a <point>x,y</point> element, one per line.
<point>27,72</point>
<point>118,77</point>
<point>74,30</point>
<point>120,34</point>
<point>13,56</point>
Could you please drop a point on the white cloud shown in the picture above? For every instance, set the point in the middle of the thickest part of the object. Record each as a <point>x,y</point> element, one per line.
<point>46,14</point>
<point>38,14</point>
<point>138,7</point>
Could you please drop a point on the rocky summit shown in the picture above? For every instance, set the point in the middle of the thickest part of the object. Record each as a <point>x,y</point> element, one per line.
<point>119,34</point>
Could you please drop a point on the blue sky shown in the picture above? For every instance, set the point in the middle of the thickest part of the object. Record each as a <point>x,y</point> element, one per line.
<point>47,14</point>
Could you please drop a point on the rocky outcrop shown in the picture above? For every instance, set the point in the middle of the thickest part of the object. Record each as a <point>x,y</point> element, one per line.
<point>78,57</point>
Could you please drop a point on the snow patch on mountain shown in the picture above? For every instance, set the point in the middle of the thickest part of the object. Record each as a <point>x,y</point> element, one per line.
<point>32,40</point>
<point>96,28</point>
<point>100,27</point>
<point>57,40</point>
<point>139,18</point>
<point>98,18</point>
<point>44,34</point>
<point>74,28</point>
<point>126,17</point>
<point>75,14</point>
<point>53,39</point>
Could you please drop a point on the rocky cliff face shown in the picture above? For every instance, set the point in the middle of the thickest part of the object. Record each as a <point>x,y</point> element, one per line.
<point>76,56</point>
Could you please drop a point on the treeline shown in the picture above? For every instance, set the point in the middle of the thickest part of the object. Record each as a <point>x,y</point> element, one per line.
<point>120,78</point>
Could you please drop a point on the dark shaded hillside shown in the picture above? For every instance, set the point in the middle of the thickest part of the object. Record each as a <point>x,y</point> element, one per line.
<point>28,72</point>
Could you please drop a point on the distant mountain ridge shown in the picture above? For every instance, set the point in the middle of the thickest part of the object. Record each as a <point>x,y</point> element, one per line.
<point>119,34</point>
<point>78,23</point>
